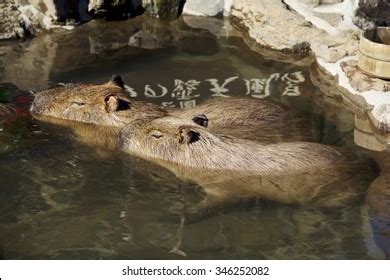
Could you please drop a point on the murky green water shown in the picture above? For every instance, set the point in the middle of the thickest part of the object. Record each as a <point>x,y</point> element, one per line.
<point>64,200</point>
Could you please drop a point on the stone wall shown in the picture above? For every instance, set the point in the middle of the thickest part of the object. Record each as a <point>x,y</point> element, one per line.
<point>22,17</point>
<point>291,25</point>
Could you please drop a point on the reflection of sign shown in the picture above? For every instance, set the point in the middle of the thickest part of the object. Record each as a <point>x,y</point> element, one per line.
<point>185,91</point>
<point>131,91</point>
<point>188,104</point>
<point>219,90</point>
<point>260,88</point>
<point>292,80</point>
<point>169,104</point>
<point>149,92</point>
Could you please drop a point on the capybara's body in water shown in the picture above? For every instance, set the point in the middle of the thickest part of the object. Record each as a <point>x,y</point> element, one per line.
<point>109,105</point>
<point>300,172</point>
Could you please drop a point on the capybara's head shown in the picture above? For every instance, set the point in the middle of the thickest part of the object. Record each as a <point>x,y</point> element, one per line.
<point>105,104</point>
<point>169,138</point>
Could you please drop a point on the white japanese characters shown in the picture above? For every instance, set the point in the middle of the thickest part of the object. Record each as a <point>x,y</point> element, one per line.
<point>185,91</point>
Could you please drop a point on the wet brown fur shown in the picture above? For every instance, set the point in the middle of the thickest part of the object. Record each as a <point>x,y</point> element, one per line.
<point>229,168</point>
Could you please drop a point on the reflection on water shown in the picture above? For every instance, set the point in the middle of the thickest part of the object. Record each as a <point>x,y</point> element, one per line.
<point>62,199</point>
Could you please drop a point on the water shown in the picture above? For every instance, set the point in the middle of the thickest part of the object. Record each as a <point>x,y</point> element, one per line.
<point>61,199</point>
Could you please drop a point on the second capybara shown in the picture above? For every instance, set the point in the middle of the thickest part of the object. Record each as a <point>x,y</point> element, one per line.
<point>300,172</point>
<point>189,144</point>
<point>109,105</point>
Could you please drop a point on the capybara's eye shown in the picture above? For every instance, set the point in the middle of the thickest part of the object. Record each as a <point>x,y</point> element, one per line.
<point>77,103</point>
<point>156,134</point>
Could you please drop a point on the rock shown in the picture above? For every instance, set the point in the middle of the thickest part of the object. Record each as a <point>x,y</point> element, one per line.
<point>372,13</point>
<point>310,3</point>
<point>96,6</point>
<point>330,1</point>
<point>49,12</point>
<point>380,116</point>
<point>263,21</point>
<point>362,82</point>
<point>13,23</point>
<point>204,8</point>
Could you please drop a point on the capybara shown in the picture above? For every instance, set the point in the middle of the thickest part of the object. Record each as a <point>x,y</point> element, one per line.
<point>229,168</point>
<point>189,144</point>
<point>109,105</point>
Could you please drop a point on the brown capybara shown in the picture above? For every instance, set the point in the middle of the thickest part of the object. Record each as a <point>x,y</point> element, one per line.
<point>109,105</point>
<point>189,144</point>
<point>229,168</point>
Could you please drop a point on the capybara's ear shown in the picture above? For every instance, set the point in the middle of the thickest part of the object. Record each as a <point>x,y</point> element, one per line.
<point>201,120</point>
<point>112,102</point>
<point>188,135</point>
<point>118,81</point>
